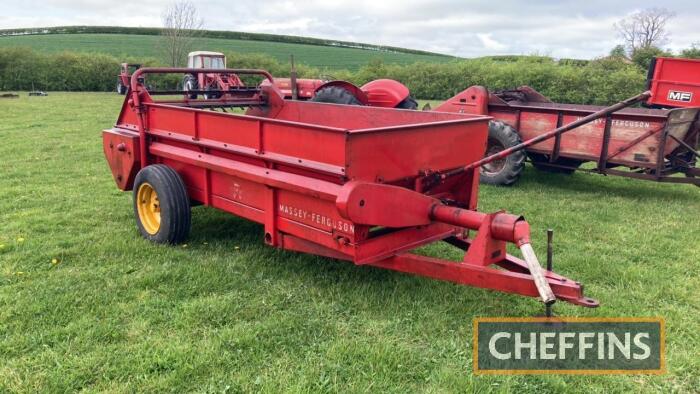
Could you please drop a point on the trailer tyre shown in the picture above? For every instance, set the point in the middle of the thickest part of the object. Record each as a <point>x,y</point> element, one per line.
<point>504,171</point>
<point>161,205</point>
<point>335,95</point>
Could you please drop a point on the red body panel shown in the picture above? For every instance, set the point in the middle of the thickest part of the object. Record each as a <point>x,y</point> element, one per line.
<point>385,93</point>
<point>675,82</point>
<point>305,87</point>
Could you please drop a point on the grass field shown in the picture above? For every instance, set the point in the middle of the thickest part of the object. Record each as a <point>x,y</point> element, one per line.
<point>141,46</point>
<point>86,304</point>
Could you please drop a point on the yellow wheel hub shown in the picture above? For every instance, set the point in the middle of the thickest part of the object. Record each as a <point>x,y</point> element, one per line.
<point>148,208</point>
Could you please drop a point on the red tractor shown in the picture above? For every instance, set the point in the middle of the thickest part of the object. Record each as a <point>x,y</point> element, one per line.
<point>380,93</point>
<point>124,77</point>
<point>211,84</point>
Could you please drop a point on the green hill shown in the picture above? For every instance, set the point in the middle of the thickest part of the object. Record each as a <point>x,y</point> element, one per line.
<point>313,52</point>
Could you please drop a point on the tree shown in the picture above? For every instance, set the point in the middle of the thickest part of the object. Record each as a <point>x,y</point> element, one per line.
<point>693,52</point>
<point>644,29</point>
<point>181,24</point>
<point>618,52</point>
<point>642,56</point>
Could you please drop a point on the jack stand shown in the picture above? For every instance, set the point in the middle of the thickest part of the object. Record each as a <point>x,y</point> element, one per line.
<point>550,235</point>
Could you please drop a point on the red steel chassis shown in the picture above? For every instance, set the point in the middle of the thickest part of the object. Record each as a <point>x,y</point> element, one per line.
<point>333,180</point>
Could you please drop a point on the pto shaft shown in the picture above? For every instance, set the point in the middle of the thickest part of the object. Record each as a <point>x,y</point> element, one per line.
<point>504,227</point>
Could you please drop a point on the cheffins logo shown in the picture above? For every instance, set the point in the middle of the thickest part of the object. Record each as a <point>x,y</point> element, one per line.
<point>569,346</point>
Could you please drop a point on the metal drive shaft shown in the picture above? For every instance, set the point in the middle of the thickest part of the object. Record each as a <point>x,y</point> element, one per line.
<point>537,273</point>
<point>505,227</point>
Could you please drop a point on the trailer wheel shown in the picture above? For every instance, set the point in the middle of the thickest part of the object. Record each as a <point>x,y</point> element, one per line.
<point>408,103</point>
<point>335,95</point>
<point>189,83</point>
<point>121,89</point>
<point>540,161</point>
<point>504,171</point>
<point>161,205</point>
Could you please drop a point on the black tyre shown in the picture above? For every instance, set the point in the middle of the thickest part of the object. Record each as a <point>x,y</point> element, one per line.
<point>211,94</point>
<point>121,89</point>
<point>540,162</point>
<point>161,205</point>
<point>189,82</point>
<point>408,103</point>
<point>692,163</point>
<point>335,95</point>
<point>505,171</point>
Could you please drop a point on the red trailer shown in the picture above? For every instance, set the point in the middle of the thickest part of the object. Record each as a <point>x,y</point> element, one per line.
<point>124,77</point>
<point>659,143</point>
<point>325,179</point>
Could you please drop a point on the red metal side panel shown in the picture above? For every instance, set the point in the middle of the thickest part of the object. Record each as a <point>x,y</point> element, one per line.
<point>587,141</point>
<point>532,124</point>
<point>676,83</point>
<point>391,155</point>
<point>195,124</point>
<point>305,144</point>
<point>509,117</point>
<point>296,144</point>
<point>322,215</point>
<point>355,117</point>
<point>121,149</point>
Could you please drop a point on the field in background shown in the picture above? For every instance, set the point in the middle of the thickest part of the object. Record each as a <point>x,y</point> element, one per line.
<point>88,304</point>
<point>142,46</point>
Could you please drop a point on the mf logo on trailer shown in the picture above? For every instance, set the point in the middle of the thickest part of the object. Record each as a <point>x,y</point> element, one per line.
<point>676,95</point>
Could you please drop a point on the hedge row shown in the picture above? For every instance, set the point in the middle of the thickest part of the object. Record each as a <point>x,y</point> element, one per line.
<point>236,35</point>
<point>596,82</point>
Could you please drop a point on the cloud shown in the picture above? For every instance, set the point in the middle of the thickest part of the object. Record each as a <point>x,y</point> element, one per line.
<point>490,43</point>
<point>566,28</point>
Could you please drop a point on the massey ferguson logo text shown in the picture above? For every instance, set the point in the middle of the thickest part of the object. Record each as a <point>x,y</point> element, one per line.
<point>575,345</point>
<point>684,97</point>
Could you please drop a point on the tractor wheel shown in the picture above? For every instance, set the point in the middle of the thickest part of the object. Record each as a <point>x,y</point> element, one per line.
<point>209,95</point>
<point>505,171</point>
<point>190,83</point>
<point>335,95</point>
<point>540,161</point>
<point>121,89</point>
<point>161,205</point>
<point>408,103</point>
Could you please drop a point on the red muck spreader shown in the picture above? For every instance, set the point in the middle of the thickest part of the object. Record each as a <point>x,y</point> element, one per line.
<point>658,143</point>
<point>325,179</point>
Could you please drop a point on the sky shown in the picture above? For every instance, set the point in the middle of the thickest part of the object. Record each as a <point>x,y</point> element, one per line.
<point>561,29</point>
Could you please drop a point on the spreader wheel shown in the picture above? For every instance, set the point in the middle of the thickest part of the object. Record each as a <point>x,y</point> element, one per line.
<point>161,205</point>
<point>335,95</point>
<point>540,161</point>
<point>189,83</point>
<point>504,171</point>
